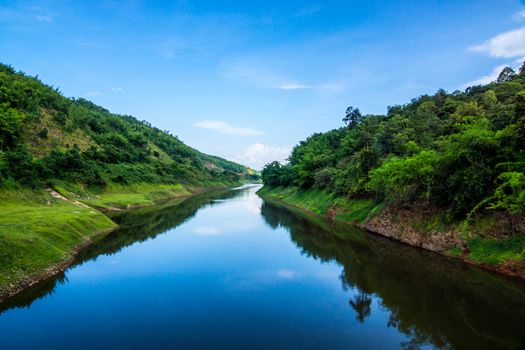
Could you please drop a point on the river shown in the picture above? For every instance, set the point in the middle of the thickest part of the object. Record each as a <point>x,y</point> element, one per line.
<point>228,270</point>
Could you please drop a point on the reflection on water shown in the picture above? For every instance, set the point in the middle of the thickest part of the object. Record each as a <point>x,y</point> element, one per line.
<point>225,269</point>
<point>431,299</point>
<point>134,226</point>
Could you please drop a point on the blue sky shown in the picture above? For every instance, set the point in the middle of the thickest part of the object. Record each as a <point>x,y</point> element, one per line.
<point>247,80</point>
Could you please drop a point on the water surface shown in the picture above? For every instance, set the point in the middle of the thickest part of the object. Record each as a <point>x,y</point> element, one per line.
<point>227,270</point>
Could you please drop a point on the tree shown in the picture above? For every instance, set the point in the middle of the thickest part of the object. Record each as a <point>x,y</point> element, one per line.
<point>510,195</point>
<point>118,146</point>
<point>10,125</point>
<point>271,174</point>
<point>507,74</point>
<point>352,117</point>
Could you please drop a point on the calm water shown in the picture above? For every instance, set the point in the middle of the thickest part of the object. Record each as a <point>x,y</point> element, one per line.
<point>226,270</point>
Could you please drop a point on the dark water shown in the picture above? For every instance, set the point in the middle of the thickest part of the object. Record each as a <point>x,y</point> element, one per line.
<point>226,270</point>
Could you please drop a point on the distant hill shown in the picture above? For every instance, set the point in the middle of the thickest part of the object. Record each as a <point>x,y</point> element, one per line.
<point>45,136</point>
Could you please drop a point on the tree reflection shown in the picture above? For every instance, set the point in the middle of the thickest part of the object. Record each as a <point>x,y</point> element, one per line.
<point>430,299</point>
<point>362,305</point>
<point>134,226</point>
<point>360,302</point>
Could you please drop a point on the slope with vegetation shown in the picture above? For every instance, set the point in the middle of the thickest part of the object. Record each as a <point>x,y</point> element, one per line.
<point>46,137</point>
<point>443,172</point>
<point>60,158</point>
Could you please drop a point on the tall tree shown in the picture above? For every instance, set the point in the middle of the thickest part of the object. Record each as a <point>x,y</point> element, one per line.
<point>352,117</point>
<point>507,74</point>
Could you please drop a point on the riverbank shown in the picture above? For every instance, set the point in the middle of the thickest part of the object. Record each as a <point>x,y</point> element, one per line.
<point>41,231</point>
<point>119,197</point>
<point>490,241</point>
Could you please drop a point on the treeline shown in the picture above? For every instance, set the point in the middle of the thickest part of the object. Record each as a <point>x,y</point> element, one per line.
<point>461,151</point>
<point>45,136</point>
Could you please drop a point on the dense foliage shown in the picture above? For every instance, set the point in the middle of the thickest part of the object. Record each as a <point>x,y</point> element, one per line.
<point>45,136</point>
<point>462,151</point>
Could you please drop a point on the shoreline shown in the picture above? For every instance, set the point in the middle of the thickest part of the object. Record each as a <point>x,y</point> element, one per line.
<point>15,287</point>
<point>508,268</point>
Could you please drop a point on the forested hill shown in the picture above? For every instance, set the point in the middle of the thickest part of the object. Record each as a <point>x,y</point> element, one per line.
<point>461,151</point>
<point>45,136</point>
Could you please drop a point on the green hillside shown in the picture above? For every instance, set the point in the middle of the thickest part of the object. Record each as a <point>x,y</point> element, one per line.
<point>454,161</point>
<point>62,160</point>
<point>46,137</point>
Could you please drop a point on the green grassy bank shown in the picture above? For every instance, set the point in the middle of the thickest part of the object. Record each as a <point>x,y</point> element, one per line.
<point>42,230</point>
<point>115,197</point>
<point>475,244</point>
<point>38,232</point>
<point>323,203</point>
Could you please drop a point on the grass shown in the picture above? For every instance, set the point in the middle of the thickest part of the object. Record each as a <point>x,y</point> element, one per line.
<point>482,250</point>
<point>40,147</point>
<point>455,251</point>
<point>434,221</point>
<point>313,200</point>
<point>319,202</point>
<point>356,210</point>
<point>492,251</point>
<point>38,231</point>
<point>126,196</point>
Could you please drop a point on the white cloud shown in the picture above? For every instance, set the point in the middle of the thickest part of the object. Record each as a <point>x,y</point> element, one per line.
<point>505,45</point>
<point>117,89</point>
<point>93,93</point>
<point>43,18</point>
<point>258,155</point>
<point>486,78</point>
<point>293,86</point>
<point>225,128</point>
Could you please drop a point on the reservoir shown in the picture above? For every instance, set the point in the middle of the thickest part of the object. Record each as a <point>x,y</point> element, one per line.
<point>225,269</point>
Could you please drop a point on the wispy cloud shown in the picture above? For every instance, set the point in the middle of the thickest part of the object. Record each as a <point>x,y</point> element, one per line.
<point>24,16</point>
<point>293,86</point>
<point>306,11</point>
<point>252,72</point>
<point>92,93</point>
<point>509,44</point>
<point>171,47</point>
<point>519,16</point>
<point>258,155</point>
<point>486,78</point>
<point>117,89</point>
<point>285,75</point>
<point>225,128</point>
<point>263,74</point>
<point>200,37</point>
<point>518,62</point>
<point>505,45</point>
<point>44,18</point>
